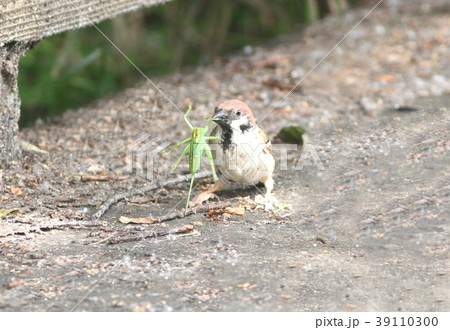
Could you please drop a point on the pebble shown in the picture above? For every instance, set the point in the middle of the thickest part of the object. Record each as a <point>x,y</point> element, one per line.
<point>397,210</point>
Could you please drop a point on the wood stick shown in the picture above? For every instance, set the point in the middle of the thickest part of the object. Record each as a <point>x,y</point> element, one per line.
<point>127,194</point>
<point>136,235</point>
<point>193,210</point>
<point>132,236</point>
<point>85,178</point>
<point>39,228</point>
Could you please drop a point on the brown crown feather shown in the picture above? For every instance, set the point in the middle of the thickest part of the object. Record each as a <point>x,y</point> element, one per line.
<point>237,104</point>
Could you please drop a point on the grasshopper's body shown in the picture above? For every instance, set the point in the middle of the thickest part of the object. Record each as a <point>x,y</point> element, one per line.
<point>197,143</point>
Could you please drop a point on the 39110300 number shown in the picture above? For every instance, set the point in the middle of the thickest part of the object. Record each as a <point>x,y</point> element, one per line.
<point>406,321</point>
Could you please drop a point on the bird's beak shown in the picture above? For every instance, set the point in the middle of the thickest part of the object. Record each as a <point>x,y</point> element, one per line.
<point>220,117</point>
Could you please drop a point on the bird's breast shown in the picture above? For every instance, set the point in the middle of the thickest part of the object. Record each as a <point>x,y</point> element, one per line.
<point>244,159</point>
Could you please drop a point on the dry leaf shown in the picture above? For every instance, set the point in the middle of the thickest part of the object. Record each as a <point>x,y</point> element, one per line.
<point>4,212</point>
<point>126,220</point>
<point>229,210</point>
<point>16,191</point>
<point>236,211</point>
<point>246,286</point>
<point>386,77</point>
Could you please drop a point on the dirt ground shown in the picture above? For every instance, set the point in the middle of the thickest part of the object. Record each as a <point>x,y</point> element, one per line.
<point>368,231</point>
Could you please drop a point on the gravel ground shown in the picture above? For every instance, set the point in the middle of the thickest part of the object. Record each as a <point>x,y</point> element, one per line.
<point>367,231</point>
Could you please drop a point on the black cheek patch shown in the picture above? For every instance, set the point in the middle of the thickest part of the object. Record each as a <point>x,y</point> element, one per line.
<point>245,127</point>
<point>227,133</point>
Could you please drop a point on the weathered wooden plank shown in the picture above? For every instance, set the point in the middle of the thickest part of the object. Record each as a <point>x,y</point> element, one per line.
<point>29,20</point>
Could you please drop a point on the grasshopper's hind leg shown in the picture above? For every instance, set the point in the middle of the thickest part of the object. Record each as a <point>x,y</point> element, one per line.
<point>189,195</point>
<point>218,185</point>
<point>177,145</point>
<point>211,162</point>
<point>185,151</point>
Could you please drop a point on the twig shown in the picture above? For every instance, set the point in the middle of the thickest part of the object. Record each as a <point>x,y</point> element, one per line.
<point>114,199</point>
<point>176,214</point>
<point>39,228</point>
<point>193,210</point>
<point>85,178</point>
<point>25,146</point>
<point>70,224</point>
<point>132,236</point>
<point>136,235</point>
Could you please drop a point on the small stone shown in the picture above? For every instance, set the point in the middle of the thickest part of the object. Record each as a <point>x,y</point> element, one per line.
<point>117,303</point>
<point>421,202</point>
<point>397,210</point>
<point>14,284</point>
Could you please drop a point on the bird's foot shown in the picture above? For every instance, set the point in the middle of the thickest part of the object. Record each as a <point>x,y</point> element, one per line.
<point>271,204</point>
<point>268,202</point>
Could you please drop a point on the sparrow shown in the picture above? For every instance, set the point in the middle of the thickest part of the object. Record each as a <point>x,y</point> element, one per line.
<point>241,152</point>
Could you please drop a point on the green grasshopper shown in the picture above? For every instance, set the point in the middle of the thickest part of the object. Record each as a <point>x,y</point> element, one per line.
<point>197,143</point>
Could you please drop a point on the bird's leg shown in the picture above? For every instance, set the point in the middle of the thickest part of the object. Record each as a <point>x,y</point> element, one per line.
<point>269,186</point>
<point>209,193</point>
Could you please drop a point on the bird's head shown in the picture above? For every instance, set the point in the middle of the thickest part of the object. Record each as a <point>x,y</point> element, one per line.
<point>234,114</point>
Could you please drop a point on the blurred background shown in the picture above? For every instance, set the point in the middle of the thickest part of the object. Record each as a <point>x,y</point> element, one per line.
<point>71,69</point>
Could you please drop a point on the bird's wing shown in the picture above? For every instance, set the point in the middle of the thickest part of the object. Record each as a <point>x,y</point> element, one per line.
<point>268,147</point>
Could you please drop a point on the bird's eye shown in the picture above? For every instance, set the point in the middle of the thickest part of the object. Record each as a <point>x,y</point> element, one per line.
<point>238,112</point>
